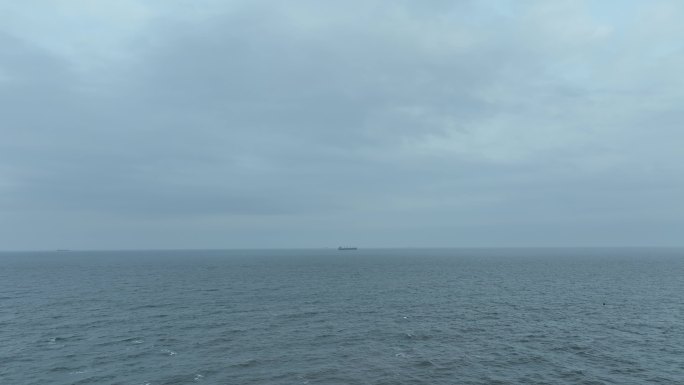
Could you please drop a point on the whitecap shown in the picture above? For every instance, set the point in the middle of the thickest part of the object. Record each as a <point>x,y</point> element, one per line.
<point>198,377</point>
<point>169,352</point>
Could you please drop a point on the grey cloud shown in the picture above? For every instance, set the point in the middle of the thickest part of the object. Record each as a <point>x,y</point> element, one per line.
<point>434,124</point>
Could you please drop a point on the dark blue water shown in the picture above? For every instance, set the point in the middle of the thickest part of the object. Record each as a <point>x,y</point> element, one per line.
<point>355,317</point>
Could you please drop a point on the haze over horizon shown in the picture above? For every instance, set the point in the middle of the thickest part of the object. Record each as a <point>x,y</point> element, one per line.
<point>261,124</point>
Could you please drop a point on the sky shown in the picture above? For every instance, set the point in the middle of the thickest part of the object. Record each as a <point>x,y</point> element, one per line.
<point>131,124</point>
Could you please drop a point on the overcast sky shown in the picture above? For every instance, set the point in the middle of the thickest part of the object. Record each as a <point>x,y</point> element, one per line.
<point>229,124</point>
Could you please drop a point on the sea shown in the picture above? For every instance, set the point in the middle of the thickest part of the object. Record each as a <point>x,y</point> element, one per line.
<point>323,316</point>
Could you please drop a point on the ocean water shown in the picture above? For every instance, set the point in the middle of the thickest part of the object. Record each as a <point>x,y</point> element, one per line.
<point>411,316</point>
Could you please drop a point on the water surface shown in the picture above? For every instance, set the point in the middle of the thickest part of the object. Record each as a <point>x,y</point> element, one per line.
<point>410,316</point>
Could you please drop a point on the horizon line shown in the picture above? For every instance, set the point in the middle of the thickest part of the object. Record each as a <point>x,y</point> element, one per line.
<point>63,250</point>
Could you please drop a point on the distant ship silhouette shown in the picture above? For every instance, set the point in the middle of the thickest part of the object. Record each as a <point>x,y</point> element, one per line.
<point>343,248</point>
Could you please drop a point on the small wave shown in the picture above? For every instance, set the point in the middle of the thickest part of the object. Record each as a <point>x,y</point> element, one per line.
<point>135,355</point>
<point>572,373</point>
<point>150,306</point>
<point>168,340</point>
<point>246,363</point>
<point>198,377</point>
<point>416,336</point>
<point>305,314</point>
<point>424,364</point>
<point>60,369</point>
<point>53,343</point>
<point>168,352</point>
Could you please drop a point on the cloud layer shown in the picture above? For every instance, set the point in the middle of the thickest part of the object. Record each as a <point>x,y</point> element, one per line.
<point>377,123</point>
